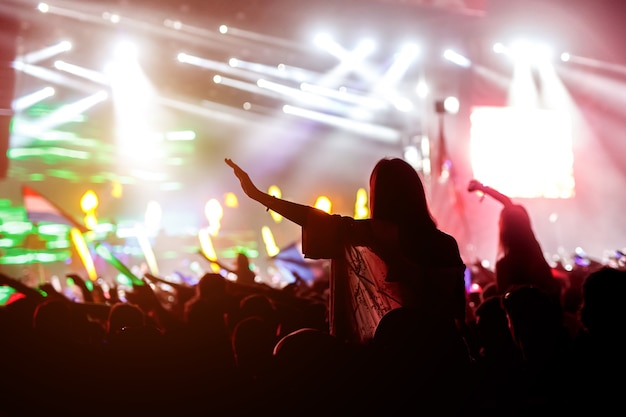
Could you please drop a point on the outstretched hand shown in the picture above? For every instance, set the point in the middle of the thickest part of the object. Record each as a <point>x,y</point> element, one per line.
<point>247,185</point>
<point>475,185</point>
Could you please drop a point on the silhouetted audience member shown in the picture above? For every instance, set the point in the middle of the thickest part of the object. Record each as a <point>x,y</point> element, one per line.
<point>205,357</point>
<point>536,323</point>
<point>245,275</point>
<point>520,260</point>
<point>260,305</point>
<point>314,370</point>
<point>253,339</point>
<point>397,258</point>
<point>212,288</point>
<point>600,348</point>
<point>499,365</point>
<point>416,365</point>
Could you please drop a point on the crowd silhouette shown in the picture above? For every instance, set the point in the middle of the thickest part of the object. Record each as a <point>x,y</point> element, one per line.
<point>394,334</point>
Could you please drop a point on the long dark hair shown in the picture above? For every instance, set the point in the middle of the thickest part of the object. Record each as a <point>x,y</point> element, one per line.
<point>397,195</point>
<point>516,234</point>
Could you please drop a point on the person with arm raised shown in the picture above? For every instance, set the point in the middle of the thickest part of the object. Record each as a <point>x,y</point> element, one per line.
<point>396,258</point>
<point>520,260</point>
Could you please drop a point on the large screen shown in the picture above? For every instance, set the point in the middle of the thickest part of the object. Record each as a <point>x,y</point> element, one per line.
<point>524,153</point>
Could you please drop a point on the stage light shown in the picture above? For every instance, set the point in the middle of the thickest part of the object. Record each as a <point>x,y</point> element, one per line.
<point>361,209</point>
<point>412,155</point>
<point>525,51</point>
<point>451,105</point>
<point>83,251</point>
<point>64,114</point>
<point>565,56</point>
<point>457,58</point>
<point>183,135</point>
<point>498,48</point>
<point>323,203</point>
<point>45,53</point>
<point>349,59</point>
<point>343,95</point>
<point>111,17</point>
<point>214,213</point>
<point>275,191</point>
<point>174,24</point>
<point>386,85</point>
<point>125,50</point>
<point>117,189</point>
<point>421,89</point>
<point>367,46</point>
<point>43,7</point>
<point>231,200</point>
<point>531,52</point>
<point>146,247</point>
<point>153,216</point>
<point>270,244</point>
<point>374,131</point>
<point>402,104</point>
<point>89,201</point>
<point>53,76</point>
<point>323,40</point>
<point>26,101</point>
<point>86,73</point>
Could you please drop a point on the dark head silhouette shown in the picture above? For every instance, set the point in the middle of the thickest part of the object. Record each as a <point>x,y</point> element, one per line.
<point>211,285</point>
<point>397,194</point>
<point>516,233</point>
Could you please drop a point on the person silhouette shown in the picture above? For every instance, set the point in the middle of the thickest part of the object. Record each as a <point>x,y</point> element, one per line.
<point>396,258</point>
<point>520,260</point>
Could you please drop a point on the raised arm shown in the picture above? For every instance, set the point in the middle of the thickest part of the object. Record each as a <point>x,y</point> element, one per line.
<point>297,213</point>
<point>20,287</point>
<point>476,186</point>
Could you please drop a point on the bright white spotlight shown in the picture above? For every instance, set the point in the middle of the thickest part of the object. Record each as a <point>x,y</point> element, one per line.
<point>457,58</point>
<point>181,135</point>
<point>412,156</point>
<point>421,89</point>
<point>323,40</point>
<point>565,56</point>
<point>451,105</point>
<point>111,17</point>
<point>531,52</point>
<point>126,51</point>
<point>86,73</point>
<point>398,68</point>
<point>26,101</point>
<point>174,24</point>
<point>43,7</point>
<point>45,53</point>
<point>66,113</point>
<point>223,29</point>
<point>367,46</point>
<point>402,104</point>
<point>498,48</point>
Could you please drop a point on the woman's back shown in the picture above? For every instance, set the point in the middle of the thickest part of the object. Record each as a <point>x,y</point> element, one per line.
<point>395,258</point>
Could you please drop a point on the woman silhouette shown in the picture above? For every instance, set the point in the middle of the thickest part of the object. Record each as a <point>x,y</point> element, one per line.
<point>520,260</point>
<point>396,258</point>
